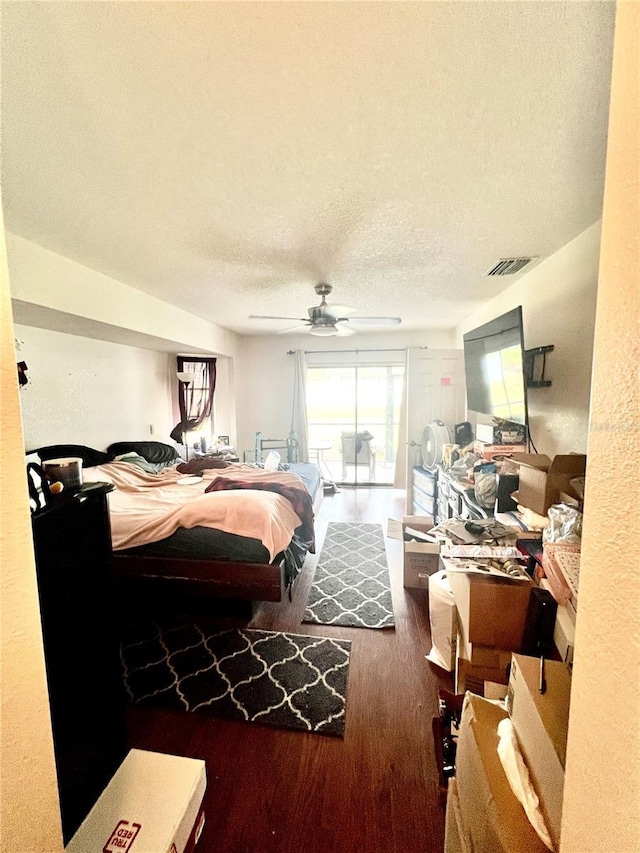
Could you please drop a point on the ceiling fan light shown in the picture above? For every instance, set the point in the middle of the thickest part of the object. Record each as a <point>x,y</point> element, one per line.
<point>323,330</point>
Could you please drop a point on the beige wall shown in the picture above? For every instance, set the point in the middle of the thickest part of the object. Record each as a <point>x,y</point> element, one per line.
<point>30,816</point>
<point>558,299</point>
<point>602,788</point>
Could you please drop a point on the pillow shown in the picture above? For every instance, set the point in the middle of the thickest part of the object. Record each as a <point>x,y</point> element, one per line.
<point>89,456</point>
<point>152,451</point>
<point>135,459</point>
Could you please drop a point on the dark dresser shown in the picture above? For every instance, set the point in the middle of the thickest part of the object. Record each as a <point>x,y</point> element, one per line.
<point>72,541</point>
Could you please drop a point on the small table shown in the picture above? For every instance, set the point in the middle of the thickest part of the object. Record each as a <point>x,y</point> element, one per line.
<point>318,448</point>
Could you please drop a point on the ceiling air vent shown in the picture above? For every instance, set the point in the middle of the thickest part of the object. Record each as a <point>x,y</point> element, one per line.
<point>509,266</point>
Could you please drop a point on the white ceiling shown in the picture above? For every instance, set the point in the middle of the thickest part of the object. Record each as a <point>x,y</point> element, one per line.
<point>227,156</point>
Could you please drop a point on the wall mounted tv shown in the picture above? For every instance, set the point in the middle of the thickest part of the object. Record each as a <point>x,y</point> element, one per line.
<point>494,369</point>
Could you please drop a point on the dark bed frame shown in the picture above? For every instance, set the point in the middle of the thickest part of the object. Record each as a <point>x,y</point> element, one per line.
<point>217,577</point>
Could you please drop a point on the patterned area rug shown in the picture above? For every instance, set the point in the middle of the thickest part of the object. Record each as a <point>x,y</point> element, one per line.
<point>281,680</point>
<point>351,583</point>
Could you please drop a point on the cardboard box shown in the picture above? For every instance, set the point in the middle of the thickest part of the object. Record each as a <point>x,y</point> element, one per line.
<point>541,722</point>
<point>477,666</point>
<point>423,523</point>
<point>421,559</point>
<point>542,480</point>
<point>501,433</point>
<point>496,692</point>
<point>488,657</point>
<point>491,611</point>
<point>492,817</point>
<point>473,678</point>
<point>455,833</point>
<point>488,451</point>
<point>153,802</point>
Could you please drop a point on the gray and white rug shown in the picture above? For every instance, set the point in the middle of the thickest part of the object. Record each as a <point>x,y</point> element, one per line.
<point>351,582</point>
<point>281,680</point>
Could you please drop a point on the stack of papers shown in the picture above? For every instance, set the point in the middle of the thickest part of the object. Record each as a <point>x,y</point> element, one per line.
<point>481,551</point>
<point>503,569</point>
<point>418,535</point>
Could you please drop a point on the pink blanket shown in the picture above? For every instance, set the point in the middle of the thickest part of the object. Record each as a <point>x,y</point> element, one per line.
<point>145,507</point>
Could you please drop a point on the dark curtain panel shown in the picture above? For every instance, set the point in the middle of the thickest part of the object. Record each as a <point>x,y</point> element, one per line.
<point>196,400</point>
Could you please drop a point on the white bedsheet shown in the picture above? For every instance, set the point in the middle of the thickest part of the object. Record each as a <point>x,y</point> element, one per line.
<point>146,508</point>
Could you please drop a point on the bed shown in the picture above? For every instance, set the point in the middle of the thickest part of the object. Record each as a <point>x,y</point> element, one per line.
<point>230,530</point>
<point>288,446</point>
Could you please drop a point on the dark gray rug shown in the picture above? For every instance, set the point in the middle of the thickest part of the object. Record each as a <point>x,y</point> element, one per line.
<point>281,680</point>
<point>351,583</point>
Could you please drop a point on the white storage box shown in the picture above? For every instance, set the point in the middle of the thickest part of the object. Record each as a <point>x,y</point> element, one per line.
<point>421,559</point>
<point>152,805</point>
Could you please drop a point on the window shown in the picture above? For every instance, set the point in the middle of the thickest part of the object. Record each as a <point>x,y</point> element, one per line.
<point>195,398</point>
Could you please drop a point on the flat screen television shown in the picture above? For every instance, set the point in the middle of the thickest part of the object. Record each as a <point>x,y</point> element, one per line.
<point>494,369</point>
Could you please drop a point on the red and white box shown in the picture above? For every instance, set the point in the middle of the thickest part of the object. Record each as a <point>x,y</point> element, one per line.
<point>153,804</point>
<point>488,451</point>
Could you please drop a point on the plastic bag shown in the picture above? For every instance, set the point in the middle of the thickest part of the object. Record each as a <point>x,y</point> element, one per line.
<point>444,622</point>
<point>565,525</point>
<point>272,461</point>
<point>486,484</point>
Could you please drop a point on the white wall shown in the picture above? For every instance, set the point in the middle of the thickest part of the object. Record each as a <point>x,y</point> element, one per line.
<point>101,354</point>
<point>59,290</point>
<point>224,402</point>
<point>264,374</point>
<point>558,299</point>
<point>83,391</point>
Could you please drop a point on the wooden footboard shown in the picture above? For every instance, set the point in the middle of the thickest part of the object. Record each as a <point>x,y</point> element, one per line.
<point>220,578</point>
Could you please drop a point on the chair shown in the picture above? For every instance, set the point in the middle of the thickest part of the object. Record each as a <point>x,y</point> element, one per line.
<point>358,449</point>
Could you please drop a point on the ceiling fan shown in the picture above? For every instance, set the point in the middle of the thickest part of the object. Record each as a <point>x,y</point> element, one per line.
<point>327,319</point>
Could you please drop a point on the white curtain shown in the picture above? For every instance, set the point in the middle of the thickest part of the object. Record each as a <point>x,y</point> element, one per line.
<point>299,408</point>
<point>400,473</point>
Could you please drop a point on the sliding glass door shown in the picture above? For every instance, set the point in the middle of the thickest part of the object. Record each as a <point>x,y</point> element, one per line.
<point>353,418</point>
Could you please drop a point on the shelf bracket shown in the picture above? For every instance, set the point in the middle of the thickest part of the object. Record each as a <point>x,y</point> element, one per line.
<point>534,366</point>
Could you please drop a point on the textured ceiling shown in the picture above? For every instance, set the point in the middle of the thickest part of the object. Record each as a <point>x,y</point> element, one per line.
<point>227,156</point>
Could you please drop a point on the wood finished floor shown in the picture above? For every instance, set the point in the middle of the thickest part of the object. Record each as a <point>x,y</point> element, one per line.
<point>375,791</point>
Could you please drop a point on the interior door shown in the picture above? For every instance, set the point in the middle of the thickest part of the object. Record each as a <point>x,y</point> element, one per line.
<point>435,391</point>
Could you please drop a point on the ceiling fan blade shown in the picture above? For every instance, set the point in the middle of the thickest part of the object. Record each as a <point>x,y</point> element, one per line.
<point>375,321</point>
<point>337,311</point>
<point>295,329</point>
<point>344,331</point>
<point>266,317</point>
